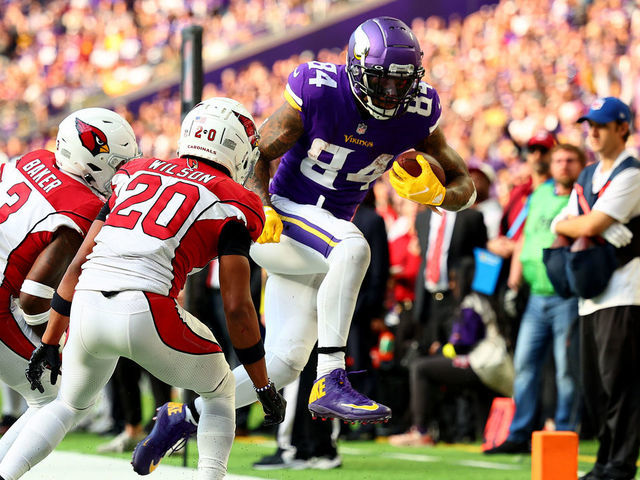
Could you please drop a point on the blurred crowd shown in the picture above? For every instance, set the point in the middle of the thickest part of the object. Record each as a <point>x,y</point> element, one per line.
<point>504,73</point>
<point>55,56</point>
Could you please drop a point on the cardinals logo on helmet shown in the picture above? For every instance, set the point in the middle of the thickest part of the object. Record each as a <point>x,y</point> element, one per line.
<point>92,138</point>
<point>249,129</point>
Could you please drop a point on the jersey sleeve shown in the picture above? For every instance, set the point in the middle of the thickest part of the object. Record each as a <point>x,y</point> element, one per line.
<point>310,88</point>
<point>427,103</point>
<point>247,202</point>
<point>294,91</point>
<point>622,196</point>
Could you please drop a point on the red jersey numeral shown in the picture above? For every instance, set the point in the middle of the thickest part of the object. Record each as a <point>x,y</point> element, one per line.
<point>166,215</point>
<point>22,191</point>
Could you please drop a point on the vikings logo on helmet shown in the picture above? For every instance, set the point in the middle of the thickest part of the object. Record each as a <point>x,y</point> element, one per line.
<point>92,138</point>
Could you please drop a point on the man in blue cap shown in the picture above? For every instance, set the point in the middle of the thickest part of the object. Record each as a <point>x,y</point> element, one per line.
<point>605,202</point>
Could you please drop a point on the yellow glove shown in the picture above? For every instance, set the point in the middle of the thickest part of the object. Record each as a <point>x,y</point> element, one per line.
<point>449,350</point>
<point>272,227</point>
<point>425,188</point>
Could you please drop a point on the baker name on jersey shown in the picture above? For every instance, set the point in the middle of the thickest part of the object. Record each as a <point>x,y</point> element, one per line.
<point>187,173</point>
<point>41,175</point>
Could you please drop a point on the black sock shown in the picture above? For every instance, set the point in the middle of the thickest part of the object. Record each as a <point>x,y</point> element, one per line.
<point>194,411</point>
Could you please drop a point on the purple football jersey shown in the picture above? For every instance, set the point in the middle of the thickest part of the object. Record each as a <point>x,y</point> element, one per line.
<point>340,154</point>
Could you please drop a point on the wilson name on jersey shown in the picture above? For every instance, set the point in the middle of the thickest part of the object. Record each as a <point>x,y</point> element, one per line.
<point>165,219</point>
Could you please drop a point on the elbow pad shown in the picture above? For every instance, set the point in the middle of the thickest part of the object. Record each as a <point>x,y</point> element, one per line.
<point>37,319</point>
<point>37,289</point>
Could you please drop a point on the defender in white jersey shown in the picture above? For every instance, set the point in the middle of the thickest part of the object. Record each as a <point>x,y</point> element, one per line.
<point>47,203</point>
<point>338,131</point>
<point>163,220</point>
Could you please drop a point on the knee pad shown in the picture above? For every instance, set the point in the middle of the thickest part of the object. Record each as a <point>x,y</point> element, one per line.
<point>280,371</point>
<point>353,250</point>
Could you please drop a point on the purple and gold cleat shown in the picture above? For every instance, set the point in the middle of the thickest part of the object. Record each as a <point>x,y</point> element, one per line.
<point>332,396</point>
<point>171,428</point>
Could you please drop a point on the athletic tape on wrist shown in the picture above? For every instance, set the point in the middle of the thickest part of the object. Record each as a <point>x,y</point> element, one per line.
<point>37,289</point>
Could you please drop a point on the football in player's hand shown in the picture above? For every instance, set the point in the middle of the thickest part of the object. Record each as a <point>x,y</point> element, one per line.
<point>408,162</point>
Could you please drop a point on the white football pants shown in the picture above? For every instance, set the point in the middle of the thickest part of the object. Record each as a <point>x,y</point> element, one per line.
<point>315,274</point>
<point>12,368</point>
<point>165,340</point>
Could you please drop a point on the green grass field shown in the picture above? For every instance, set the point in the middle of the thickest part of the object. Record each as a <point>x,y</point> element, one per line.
<point>362,460</point>
<point>366,460</point>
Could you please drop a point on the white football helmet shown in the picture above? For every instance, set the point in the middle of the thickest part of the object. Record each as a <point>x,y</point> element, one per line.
<point>92,143</point>
<point>221,130</point>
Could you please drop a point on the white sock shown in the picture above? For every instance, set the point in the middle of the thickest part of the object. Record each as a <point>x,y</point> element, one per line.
<point>337,296</point>
<point>328,362</point>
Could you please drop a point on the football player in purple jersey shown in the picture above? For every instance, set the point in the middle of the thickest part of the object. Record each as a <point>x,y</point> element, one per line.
<point>339,129</point>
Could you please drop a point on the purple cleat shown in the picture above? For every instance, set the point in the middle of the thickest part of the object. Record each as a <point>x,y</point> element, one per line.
<point>171,427</point>
<point>332,396</point>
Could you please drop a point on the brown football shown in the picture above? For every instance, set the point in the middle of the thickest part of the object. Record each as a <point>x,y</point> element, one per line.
<point>407,160</point>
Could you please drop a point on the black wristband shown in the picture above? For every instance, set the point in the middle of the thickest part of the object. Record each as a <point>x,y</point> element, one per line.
<point>60,305</point>
<point>251,354</point>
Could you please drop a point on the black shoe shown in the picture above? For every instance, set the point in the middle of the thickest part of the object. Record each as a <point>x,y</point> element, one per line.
<point>509,446</point>
<point>591,476</point>
<point>280,459</point>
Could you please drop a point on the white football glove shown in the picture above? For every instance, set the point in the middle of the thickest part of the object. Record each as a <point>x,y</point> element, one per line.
<point>617,235</point>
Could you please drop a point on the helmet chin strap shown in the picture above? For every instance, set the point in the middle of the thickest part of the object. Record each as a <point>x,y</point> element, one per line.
<point>88,183</point>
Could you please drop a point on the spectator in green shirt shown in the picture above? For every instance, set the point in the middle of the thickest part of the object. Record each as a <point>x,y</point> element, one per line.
<point>548,318</point>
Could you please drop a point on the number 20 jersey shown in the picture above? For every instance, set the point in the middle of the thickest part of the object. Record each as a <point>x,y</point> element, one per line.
<point>340,154</point>
<point>165,220</point>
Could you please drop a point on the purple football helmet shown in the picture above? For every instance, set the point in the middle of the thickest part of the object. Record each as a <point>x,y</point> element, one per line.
<point>384,64</point>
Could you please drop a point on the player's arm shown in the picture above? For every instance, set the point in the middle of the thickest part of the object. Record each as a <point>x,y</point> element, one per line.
<point>45,274</point>
<point>590,225</point>
<point>460,192</point>
<point>47,355</point>
<point>278,134</point>
<point>59,321</point>
<point>242,320</point>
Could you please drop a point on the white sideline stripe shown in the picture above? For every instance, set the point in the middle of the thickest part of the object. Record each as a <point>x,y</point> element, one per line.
<point>491,465</point>
<point>466,463</point>
<point>78,466</point>
<point>411,457</point>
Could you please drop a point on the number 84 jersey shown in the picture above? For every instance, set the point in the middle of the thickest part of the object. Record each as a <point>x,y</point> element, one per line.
<point>340,154</point>
<point>165,220</point>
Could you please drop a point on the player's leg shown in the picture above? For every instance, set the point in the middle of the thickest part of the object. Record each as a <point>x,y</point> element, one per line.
<point>89,359</point>
<point>317,242</point>
<point>12,368</point>
<point>13,406</point>
<point>290,315</point>
<point>177,348</point>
